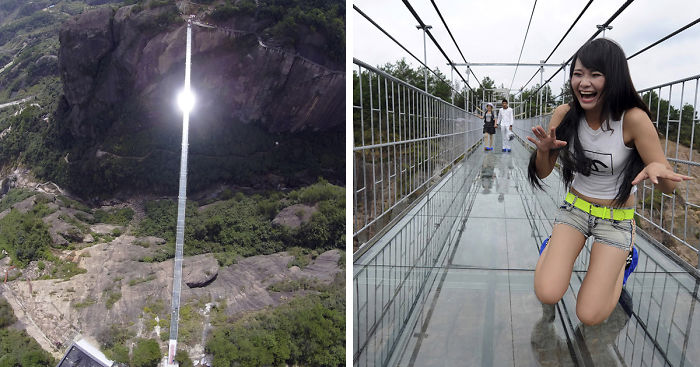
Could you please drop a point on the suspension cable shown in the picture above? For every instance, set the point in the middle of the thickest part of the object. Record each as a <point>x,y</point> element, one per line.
<point>560,41</point>
<point>437,44</point>
<point>607,23</point>
<point>402,46</point>
<point>453,40</point>
<point>523,46</point>
<point>667,37</point>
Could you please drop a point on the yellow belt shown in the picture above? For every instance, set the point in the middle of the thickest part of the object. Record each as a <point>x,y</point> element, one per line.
<point>599,211</point>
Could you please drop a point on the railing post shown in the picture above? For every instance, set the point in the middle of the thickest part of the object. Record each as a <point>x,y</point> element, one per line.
<point>452,83</point>
<point>425,55</point>
<point>466,99</point>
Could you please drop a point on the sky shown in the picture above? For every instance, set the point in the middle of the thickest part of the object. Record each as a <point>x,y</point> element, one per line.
<point>489,31</point>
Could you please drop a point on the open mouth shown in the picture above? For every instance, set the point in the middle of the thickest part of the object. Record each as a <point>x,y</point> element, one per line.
<point>588,97</point>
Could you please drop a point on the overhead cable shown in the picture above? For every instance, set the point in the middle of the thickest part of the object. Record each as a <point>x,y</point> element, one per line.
<point>560,41</point>
<point>600,29</point>
<point>437,44</point>
<point>399,43</point>
<point>453,40</point>
<point>667,37</point>
<point>523,46</point>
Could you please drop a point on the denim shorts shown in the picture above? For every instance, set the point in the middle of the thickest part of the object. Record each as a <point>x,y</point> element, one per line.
<point>615,233</point>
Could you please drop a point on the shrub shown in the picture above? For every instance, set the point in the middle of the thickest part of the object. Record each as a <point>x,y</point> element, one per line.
<point>113,335</point>
<point>112,298</point>
<point>183,358</point>
<point>146,353</point>
<point>89,301</point>
<point>13,197</point>
<point>120,217</point>
<point>136,281</point>
<point>7,316</point>
<point>19,349</point>
<point>24,236</point>
<point>309,331</point>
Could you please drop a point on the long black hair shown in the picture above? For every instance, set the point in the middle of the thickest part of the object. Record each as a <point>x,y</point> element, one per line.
<point>618,95</point>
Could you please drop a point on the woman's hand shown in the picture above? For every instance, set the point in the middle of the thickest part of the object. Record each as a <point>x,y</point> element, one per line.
<point>655,170</point>
<point>545,142</point>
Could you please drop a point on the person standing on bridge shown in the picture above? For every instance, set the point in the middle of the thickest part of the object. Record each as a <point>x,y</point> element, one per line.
<point>608,144</point>
<point>505,119</point>
<point>489,126</point>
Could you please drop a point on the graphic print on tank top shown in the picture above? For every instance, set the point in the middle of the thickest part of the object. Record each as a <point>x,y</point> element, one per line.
<point>601,163</point>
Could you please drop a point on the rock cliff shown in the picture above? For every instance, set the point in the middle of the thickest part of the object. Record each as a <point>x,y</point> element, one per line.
<point>260,109</point>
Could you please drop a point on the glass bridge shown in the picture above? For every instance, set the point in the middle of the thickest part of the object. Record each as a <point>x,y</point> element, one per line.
<point>447,238</point>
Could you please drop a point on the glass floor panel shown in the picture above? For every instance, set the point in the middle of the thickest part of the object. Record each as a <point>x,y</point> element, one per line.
<point>480,308</point>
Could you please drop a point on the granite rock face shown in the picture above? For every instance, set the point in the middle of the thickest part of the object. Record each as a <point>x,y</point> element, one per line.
<point>106,57</point>
<point>255,103</point>
<point>199,271</point>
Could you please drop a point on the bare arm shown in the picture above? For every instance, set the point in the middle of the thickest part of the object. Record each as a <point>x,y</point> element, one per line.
<point>547,143</point>
<point>657,169</point>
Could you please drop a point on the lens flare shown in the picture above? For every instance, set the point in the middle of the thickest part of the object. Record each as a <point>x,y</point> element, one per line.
<point>185,100</point>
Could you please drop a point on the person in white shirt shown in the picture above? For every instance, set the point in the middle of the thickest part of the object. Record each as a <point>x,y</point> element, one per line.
<point>505,119</point>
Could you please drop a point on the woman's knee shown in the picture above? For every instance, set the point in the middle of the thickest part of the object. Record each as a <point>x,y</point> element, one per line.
<point>548,293</point>
<point>591,314</point>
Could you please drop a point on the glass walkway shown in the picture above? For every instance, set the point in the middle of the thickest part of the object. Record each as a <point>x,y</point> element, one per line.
<point>451,284</point>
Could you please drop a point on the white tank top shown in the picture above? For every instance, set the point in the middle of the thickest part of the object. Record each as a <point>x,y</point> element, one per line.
<point>608,154</point>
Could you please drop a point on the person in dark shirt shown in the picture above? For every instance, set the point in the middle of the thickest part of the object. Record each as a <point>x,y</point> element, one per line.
<point>489,126</point>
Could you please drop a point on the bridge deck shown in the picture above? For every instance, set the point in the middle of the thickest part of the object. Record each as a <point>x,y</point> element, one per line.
<point>481,309</point>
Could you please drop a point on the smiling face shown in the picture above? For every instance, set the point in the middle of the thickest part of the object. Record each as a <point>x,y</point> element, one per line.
<point>588,86</point>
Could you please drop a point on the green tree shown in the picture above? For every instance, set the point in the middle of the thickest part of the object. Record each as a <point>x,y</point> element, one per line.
<point>309,331</point>
<point>7,316</point>
<point>485,91</point>
<point>565,95</point>
<point>183,358</point>
<point>146,353</point>
<point>19,349</point>
<point>533,100</point>
<point>24,236</point>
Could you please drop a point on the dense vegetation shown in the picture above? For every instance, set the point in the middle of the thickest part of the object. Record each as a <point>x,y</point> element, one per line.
<point>289,22</point>
<point>308,331</point>
<point>241,225</point>
<point>16,347</point>
<point>146,353</point>
<point>24,236</point>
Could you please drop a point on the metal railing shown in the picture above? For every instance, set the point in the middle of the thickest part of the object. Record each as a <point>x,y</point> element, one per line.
<point>404,140</point>
<point>676,120</point>
<point>673,220</point>
<point>391,282</point>
<point>405,143</point>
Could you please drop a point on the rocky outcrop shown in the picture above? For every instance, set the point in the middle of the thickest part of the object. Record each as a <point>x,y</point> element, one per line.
<point>199,271</point>
<point>56,310</point>
<point>294,216</point>
<point>61,232</point>
<point>25,205</point>
<point>121,70</point>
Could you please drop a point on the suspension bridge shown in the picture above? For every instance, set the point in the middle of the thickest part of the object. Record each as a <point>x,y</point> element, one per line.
<point>446,235</point>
